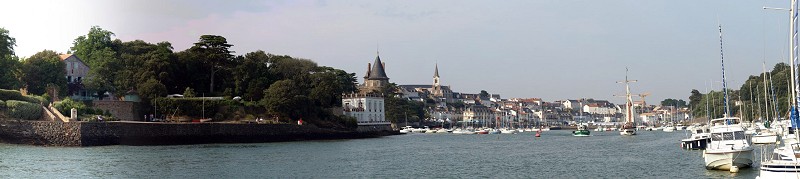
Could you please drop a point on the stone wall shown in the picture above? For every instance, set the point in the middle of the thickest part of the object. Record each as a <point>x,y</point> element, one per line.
<point>143,133</point>
<point>374,128</point>
<point>122,110</point>
<point>51,133</point>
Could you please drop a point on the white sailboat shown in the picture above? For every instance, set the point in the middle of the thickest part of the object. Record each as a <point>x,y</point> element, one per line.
<point>628,128</point>
<point>783,162</point>
<point>729,149</point>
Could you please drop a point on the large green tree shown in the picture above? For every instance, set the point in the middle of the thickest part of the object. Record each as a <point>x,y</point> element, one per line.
<point>7,43</point>
<point>8,61</point>
<point>42,69</point>
<point>214,52</point>
<point>98,51</point>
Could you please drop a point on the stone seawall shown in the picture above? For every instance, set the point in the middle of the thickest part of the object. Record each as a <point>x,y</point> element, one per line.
<point>141,133</point>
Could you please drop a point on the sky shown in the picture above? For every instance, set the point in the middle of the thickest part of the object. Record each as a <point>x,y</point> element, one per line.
<point>550,49</point>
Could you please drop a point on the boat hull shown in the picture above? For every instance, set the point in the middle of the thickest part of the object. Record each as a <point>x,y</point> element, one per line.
<point>627,132</point>
<point>695,144</point>
<point>581,133</point>
<point>779,169</point>
<point>764,139</point>
<point>724,160</point>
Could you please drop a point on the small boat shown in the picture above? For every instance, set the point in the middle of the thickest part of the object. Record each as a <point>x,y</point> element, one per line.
<point>406,130</point>
<point>507,131</point>
<point>441,131</point>
<point>765,137</point>
<point>697,141</point>
<point>669,128</point>
<point>581,132</point>
<point>538,133</point>
<point>494,131</point>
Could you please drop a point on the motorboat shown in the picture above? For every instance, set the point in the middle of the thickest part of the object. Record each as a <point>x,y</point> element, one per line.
<point>765,137</point>
<point>728,149</point>
<point>582,131</point>
<point>698,140</point>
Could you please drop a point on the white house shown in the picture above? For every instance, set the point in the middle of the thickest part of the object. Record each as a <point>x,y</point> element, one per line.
<point>367,109</point>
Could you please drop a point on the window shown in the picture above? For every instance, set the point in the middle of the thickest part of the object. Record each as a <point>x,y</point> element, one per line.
<point>727,136</point>
<point>69,79</point>
<point>716,136</point>
<point>738,135</point>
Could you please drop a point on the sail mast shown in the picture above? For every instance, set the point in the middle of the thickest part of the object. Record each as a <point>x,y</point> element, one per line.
<point>724,84</point>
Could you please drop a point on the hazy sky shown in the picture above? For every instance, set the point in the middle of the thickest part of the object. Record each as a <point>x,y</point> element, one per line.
<point>556,49</point>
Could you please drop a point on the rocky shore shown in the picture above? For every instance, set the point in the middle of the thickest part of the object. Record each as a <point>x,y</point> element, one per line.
<point>50,133</point>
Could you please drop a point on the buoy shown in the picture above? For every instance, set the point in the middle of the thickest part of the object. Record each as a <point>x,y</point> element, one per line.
<point>734,169</point>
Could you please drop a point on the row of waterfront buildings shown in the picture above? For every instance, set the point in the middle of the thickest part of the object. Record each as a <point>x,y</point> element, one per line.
<point>445,105</point>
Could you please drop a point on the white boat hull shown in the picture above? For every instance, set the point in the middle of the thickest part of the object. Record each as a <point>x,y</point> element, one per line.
<point>724,160</point>
<point>779,169</point>
<point>764,139</point>
<point>627,132</point>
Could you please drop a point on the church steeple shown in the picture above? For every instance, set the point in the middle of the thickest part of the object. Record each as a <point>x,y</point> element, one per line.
<point>436,73</point>
<point>436,87</point>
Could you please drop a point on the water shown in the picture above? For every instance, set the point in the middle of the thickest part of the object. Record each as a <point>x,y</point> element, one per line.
<point>556,154</point>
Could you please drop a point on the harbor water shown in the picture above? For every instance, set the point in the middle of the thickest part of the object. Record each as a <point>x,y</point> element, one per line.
<point>557,154</point>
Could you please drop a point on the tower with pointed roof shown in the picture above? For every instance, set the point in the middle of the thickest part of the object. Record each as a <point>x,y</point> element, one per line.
<point>376,77</point>
<point>436,88</point>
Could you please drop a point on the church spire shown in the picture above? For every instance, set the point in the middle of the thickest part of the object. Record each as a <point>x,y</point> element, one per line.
<point>436,73</point>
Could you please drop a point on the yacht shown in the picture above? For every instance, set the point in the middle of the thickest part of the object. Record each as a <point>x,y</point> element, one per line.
<point>698,140</point>
<point>729,149</point>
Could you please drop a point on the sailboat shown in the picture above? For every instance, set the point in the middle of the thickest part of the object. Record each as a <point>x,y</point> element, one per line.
<point>628,128</point>
<point>729,149</point>
<point>784,161</point>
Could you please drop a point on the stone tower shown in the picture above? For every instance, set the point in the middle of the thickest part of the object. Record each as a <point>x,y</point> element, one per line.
<point>376,77</point>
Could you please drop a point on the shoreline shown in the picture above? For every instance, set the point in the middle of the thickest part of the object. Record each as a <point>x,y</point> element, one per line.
<point>51,133</point>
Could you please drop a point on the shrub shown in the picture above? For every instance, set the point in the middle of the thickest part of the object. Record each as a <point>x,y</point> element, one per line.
<point>66,106</point>
<point>24,110</point>
<point>2,104</point>
<point>16,95</point>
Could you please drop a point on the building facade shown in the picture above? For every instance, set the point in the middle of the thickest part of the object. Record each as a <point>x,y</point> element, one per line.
<point>77,72</point>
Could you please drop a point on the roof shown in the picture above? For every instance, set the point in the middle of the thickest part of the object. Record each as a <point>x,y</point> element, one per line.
<point>377,72</point>
<point>436,73</point>
<point>64,56</point>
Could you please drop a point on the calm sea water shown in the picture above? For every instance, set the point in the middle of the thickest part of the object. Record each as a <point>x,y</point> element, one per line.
<point>557,154</point>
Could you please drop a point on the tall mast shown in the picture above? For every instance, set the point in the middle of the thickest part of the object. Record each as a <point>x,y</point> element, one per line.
<point>766,100</point>
<point>628,99</point>
<point>724,84</point>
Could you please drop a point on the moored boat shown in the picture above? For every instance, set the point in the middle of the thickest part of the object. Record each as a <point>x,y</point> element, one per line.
<point>729,148</point>
<point>582,131</point>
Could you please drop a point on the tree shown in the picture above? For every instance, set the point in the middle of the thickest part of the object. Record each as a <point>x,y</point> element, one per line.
<point>484,95</point>
<point>8,77</point>
<point>8,61</point>
<point>42,69</point>
<point>215,53</point>
<point>283,98</point>
<point>695,98</point>
<point>151,89</point>
<point>189,92</point>
<point>673,102</point>
<point>7,43</point>
<point>98,51</point>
